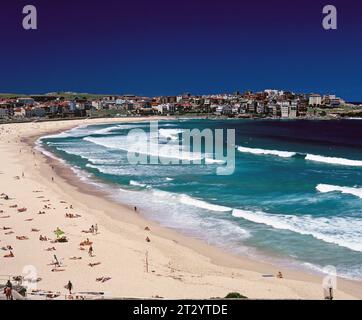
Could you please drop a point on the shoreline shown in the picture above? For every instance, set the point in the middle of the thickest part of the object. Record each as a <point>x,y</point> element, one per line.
<point>213,258</point>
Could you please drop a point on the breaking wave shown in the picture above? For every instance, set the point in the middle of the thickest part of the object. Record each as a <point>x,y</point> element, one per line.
<point>344,232</point>
<point>283,154</point>
<point>324,188</point>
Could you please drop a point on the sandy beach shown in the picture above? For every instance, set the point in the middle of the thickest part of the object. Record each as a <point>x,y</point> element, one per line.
<point>44,194</point>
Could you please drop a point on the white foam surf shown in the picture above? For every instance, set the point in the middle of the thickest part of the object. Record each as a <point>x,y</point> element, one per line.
<point>333,160</point>
<point>283,154</point>
<point>344,232</point>
<point>185,199</point>
<point>190,201</point>
<point>172,134</point>
<point>137,184</point>
<point>214,161</point>
<point>325,188</point>
<point>308,156</point>
<point>170,151</point>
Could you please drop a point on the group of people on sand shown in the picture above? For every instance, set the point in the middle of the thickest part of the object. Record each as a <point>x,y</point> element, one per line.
<point>4,196</point>
<point>43,238</point>
<point>94,229</point>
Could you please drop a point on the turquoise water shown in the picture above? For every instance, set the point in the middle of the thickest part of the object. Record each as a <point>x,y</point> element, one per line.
<point>295,196</point>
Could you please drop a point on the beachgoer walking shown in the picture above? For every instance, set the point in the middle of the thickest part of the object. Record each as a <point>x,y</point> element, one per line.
<point>96,229</point>
<point>135,209</point>
<point>70,287</point>
<point>90,251</point>
<point>8,290</point>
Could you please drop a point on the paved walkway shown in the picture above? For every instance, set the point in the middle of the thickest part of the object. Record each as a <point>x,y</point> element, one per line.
<point>16,295</point>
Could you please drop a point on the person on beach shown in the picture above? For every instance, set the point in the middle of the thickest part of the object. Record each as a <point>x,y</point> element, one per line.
<point>70,287</point>
<point>96,229</point>
<point>10,255</point>
<point>9,284</point>
<point>90,251</point>
<point>91,229</point>
<point>135,209</point>
<point>56,262</point>
<point>8,290</point>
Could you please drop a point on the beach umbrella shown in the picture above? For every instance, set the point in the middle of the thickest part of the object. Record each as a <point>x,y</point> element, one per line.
<point>58,232</point>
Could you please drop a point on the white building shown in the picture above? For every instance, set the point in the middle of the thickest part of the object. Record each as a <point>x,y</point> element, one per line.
<point>4,112</point>
<point>315,99</point>
<point>72,105</point>
<point>273,93</point>
<point>166,108</point>
<point>97,104</point>
<point>284,111</point>
<point>293,110</point>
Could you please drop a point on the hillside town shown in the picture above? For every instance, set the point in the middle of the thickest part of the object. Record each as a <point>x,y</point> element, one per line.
<point>265,104</point>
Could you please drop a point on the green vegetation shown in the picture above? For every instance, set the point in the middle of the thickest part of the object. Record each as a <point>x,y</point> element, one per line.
<point>235,295</point>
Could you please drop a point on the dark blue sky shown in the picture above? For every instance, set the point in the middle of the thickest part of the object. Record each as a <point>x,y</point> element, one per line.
<point>159,47</point>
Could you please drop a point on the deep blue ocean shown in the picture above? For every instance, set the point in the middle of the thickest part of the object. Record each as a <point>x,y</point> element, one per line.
<point>295,196</point>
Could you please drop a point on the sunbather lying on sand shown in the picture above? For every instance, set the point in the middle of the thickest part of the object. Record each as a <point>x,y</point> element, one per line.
<point>6,228</point>
<point>94,264</point>
<point>103,279</point>
<point>34,230</point>
<point>75,258</point>
<point>22,210</point>
<point>51,249</point>
<point>7,248</point>
<point>86,243</point>
<point>22,238</point>
<point>8,233</point>
<point>71,215</point>
<point>10,255</point>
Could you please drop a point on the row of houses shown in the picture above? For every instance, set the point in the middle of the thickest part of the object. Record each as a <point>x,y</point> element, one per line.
<point>274,103</point>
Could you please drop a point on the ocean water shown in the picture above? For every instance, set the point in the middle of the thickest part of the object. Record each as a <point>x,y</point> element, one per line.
<point>295,197</point>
